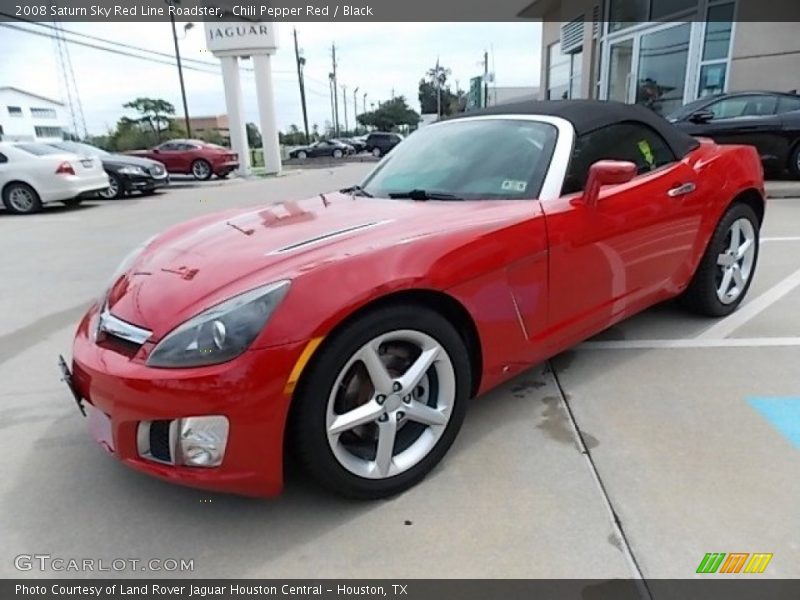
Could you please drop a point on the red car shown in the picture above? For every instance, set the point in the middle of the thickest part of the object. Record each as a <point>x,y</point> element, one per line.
<point>350,330</point>
<point>193,157</point>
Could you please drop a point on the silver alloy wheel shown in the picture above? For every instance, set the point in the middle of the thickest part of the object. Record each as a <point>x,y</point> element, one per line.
<point>301,155</point>
<point>390,404</point>
<point>337,153</point>
<point>736,261</point>
<point>376,152</point>
<point>21,199</point>
<point>111,191</point>
<point>201,169</point>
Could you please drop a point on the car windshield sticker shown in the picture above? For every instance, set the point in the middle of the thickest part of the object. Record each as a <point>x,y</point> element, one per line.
<point>512,185</point>
<point>647,153</point>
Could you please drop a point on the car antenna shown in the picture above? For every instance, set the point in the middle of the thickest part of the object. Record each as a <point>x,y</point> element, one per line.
<point>325,201</point>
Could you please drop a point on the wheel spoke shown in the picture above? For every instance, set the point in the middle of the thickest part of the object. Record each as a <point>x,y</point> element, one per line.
<point>742,250</point>
<point>381,380</point>
<point>366,413</point>
<point>736,229</point>
<point>737,278</point>
<point>417,371</point>
<point>387,431</point>
<point>726,283</point>
<point>422,413</point>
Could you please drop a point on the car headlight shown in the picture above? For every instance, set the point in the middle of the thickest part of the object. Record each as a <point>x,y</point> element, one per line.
<point>220,333</point>
<point>130,170</point>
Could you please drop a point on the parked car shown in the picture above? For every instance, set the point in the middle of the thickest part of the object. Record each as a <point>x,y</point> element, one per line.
<point>351,329</point>
<point>126,174</point>
<point>33,174</point>
<point>332,148</point>
<point>193,157</point>
<point>355,143</point>
<point>379,143</point>
<point>770,121</point>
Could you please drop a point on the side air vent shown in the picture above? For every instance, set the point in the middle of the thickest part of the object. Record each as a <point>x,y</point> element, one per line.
<point>327,236</point>
<point>572,36</point>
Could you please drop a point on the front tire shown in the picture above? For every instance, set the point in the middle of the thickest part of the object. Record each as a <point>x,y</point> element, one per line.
<point>21,199</point>
<point>114,190</point>
<point>376,152</point>
<point>726,270</point>
<point>302,155</point>
<point>337,153</point>
<point>201,170</point>
<point>382,402</point>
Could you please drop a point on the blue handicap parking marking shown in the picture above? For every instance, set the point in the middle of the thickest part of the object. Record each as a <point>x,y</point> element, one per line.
<point>782,413</point>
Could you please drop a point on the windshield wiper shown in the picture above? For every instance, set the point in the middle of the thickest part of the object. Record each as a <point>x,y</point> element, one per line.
<point>356,190</point>
<point>417,194</point>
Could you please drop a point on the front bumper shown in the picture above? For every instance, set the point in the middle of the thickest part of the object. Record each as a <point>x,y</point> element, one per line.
<point>249,391</point>
<point>143,183</point>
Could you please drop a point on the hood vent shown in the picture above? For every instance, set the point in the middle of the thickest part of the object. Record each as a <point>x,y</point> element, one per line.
<point>327,236</point>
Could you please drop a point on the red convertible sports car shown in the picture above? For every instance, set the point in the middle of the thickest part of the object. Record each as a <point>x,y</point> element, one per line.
<point>193,157</point>
<point>350,330</point>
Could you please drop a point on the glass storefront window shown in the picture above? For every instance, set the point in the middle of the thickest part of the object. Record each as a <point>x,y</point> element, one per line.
<point>563,73</point>
<point>712,79</point>
<point>625,13</point>
<point>665,8</point>
<point>718,32</point>
<point>661,79</point>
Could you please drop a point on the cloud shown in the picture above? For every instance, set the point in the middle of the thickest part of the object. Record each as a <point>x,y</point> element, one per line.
<point>379,58</point>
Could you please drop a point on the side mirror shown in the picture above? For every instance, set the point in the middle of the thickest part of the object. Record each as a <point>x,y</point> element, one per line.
<point>156,150</point>
<point>701,116</point>
<point>606,172</point>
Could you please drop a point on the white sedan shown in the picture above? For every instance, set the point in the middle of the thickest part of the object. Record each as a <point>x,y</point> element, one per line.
<point>33,174</point>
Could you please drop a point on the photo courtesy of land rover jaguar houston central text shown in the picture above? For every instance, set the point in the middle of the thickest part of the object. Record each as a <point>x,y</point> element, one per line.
<point>350,330</point>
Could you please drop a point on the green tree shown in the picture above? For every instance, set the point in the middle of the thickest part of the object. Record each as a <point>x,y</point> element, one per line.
<point>254,139</point>
<point>155,114</point>
<point>390,115</point>
<point>435,84</point>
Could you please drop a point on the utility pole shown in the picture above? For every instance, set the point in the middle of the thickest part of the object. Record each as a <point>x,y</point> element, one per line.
<point>438,91</point>
<point>364,102</point>
<point>355,110</point>
<point>180,70</point>
<point>333,110</point>
<point>344,100</point>
<point>335,91</point>
<point>485,78</point>
<point>300,64</point>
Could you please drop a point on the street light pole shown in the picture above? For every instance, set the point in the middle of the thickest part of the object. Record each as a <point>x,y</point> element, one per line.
<point>180,70</point>
<point>344,101</point>
<point>301,62</point>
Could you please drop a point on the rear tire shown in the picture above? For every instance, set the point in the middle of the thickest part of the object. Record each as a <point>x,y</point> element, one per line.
<point>423,419</point>
<point>115,189</point>
<point>201,170</point>
<point>21,199</point>
<point>723,277</point>
<point>794,161</point>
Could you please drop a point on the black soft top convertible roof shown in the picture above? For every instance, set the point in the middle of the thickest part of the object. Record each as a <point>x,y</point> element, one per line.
<point>589,115</point>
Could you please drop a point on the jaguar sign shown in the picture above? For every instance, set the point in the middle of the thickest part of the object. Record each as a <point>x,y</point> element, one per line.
<point>237,39</point>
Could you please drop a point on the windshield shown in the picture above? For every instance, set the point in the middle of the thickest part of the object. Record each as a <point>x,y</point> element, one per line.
<point>469,159</point>
<point>78,148</point>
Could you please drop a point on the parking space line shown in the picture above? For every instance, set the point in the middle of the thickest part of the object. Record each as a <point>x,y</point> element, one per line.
<point>781,239</point>
<point>730,324</point>
<point>697,342</point>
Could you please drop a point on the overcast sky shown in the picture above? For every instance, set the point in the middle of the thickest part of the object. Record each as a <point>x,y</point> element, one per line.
<point>376,57</point>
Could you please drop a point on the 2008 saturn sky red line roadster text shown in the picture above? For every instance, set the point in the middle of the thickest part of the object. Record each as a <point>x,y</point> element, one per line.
<point>351,329</point>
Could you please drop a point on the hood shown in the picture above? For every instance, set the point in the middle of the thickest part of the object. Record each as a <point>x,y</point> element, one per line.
<point>205,261</point>
<point>121,160</point>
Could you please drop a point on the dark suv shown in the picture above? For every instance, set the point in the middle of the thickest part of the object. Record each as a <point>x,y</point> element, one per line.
<point>379,143</point>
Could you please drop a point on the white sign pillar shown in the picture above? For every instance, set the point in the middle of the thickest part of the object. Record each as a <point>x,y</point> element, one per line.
<point>235,106</point>
<point>262,63</point>
<point>228,41</point>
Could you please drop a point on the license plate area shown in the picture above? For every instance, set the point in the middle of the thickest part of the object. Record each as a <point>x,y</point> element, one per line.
<point>100,427</point>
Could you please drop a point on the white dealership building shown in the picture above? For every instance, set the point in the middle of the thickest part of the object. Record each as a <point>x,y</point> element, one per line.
<point>25,116</point>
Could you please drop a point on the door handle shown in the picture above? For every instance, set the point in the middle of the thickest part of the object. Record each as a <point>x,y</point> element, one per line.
<point>681,190</point>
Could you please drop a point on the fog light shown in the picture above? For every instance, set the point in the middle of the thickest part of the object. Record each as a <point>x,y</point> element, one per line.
<point>202,441</point>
